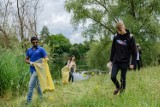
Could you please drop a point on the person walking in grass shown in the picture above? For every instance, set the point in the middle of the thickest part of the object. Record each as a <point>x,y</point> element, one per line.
<point>72,67</point>
<point>33,54</point>
<point>138,59</point>
<point>123,47</point>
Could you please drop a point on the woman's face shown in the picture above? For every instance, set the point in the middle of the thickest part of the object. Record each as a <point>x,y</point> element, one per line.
<point>73,58</point>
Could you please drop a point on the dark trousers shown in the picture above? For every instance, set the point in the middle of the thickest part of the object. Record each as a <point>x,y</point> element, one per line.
<point>71,75</point>
<point>115,68</point>
<point>137,65</point>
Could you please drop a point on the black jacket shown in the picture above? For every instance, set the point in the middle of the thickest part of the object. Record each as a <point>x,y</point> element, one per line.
<point>123,47</point>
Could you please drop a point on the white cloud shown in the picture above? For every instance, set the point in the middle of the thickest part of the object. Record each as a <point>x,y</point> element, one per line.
<point>76,38</point>
<point>57,20</point>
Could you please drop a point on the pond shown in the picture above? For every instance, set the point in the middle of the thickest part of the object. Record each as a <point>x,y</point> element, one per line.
<point>82,71</point>
<point>78,76</point>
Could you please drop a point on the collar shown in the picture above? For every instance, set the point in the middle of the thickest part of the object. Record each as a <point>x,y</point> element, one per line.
<point>127,33</point>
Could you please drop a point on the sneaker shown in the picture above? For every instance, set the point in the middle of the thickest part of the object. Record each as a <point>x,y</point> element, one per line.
<point>121,91</point>
<point>116,91</point>
<point>27,103</point>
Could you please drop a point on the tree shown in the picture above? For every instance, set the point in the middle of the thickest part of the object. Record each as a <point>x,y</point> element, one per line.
<point>32,16</point>
<point>98,55</point>
<point>45,31</point>
<point>27,17</point>
<point>74,51</point>
<point>79,50</point>
<point>5,23</point>
<point>59,44</point>
<point>141,17</point>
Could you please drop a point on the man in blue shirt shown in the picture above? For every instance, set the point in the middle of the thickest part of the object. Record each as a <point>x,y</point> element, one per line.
<point>33,54</point>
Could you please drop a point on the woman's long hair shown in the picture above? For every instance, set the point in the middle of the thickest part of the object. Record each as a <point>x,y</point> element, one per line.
<point>71,59</point>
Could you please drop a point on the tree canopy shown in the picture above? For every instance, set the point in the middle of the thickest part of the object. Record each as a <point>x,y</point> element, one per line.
<point>99,17</point>
<point>140,16</point>
<point>45,31</point>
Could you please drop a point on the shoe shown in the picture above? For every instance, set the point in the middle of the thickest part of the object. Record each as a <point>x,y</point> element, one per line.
<point>116,91</point>
<point>27,103</point>
<point>121,91</point>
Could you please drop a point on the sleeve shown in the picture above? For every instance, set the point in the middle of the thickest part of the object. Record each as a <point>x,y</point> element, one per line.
<point>112,50</point>
<point>27,53</point>
<point>68,63</point>
<point>44,54</point>
<point>133,51</point>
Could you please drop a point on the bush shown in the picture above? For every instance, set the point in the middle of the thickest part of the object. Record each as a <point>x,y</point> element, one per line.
<point>98,55</point>
<point>150,54</point>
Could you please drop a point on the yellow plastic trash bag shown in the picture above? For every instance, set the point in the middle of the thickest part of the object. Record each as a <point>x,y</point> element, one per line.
<point>65,74</point>
<point>44,76</point>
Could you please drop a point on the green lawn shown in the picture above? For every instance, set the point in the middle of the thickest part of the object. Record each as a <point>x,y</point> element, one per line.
<point>142,90</point>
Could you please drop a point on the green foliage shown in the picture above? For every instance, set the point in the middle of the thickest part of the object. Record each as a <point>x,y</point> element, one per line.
<point>98,55</point>
<point>45,31</point>
<point>7,72</point>
<point>61,46</point>
<point>74,51</point>
<point>58,44</point>
<point>137,15</point>
<point>13,72</point>
<point>79,50</point>
<point>140,17</point>
<point>151,54</point>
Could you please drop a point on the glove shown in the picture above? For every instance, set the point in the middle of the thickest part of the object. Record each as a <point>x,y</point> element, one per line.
<point>31,63</point>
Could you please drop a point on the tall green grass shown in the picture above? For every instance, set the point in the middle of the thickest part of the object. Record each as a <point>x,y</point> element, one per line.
<point>13,73</point>
<point>142,91</point>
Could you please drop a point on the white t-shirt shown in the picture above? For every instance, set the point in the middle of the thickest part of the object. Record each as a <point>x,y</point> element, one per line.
<point>137,55</point>
<point>71,64</point>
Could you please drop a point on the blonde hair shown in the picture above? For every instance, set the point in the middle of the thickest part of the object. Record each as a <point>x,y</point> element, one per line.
<point>120,25</point>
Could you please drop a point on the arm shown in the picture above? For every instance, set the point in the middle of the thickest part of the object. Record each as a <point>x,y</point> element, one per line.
<point>27,60</point>
<point>140,52</point>
<point>44,54</point>
<point>68,62</point>
<point>75,68</point>
<point>133,51</point>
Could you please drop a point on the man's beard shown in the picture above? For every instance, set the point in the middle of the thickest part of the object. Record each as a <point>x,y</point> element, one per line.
<point>35,46</point>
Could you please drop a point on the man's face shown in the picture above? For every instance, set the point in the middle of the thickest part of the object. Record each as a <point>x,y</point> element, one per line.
<point>35,43</point>
<point>121,30</point>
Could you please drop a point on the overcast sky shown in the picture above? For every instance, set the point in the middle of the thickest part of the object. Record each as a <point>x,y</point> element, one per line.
<point>57,20</point>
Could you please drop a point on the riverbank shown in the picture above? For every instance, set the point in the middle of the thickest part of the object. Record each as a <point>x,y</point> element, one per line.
<point>142,91</point>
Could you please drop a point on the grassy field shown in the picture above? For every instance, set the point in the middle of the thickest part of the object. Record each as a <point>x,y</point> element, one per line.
<point>143,90</point>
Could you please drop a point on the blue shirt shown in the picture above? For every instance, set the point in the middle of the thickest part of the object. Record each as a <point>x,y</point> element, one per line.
<point>35,55</point>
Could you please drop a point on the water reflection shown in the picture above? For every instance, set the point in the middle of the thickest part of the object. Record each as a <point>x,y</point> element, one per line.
<point>78,76</point>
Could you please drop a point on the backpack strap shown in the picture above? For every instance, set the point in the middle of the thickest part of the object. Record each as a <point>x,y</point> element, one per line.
<point>130,37</point>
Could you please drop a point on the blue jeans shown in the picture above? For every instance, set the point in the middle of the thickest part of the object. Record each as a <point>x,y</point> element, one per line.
<point>71,74</point>
<point>32,83</point>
